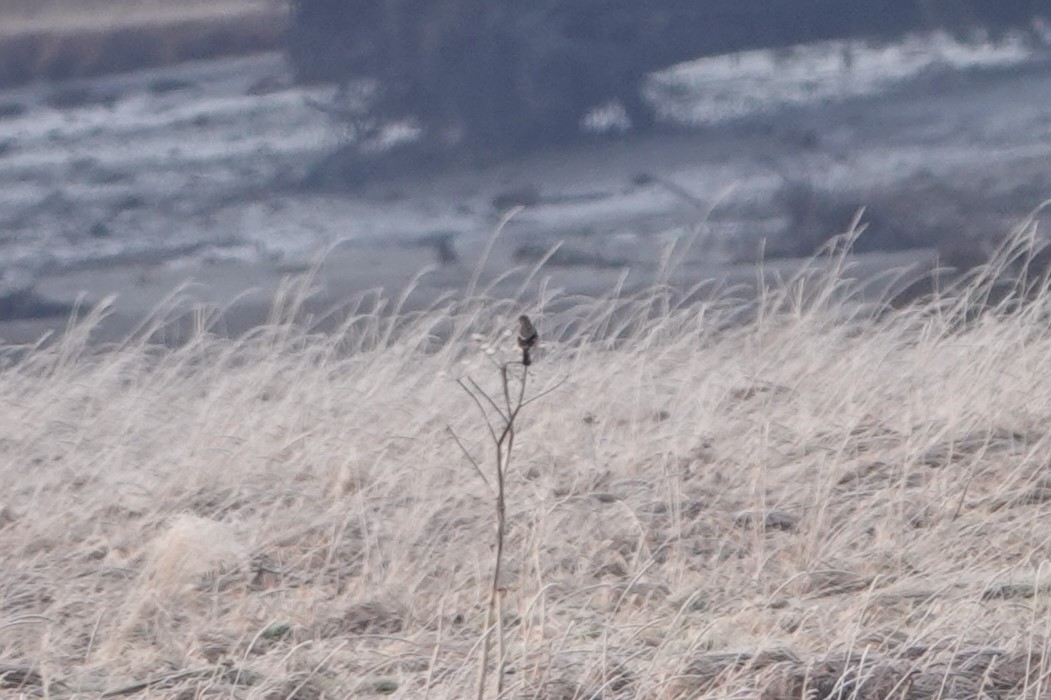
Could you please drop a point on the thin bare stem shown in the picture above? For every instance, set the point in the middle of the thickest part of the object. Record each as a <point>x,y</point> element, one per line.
<point>503,444</point>
<point>470,459</point>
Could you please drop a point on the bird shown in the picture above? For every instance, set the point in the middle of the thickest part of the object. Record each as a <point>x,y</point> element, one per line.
<point>527,338</point>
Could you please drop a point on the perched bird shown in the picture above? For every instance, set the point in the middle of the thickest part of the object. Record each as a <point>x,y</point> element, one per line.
<point>527,338</point>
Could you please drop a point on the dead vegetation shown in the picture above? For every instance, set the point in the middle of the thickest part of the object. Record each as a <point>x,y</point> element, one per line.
<point>822,500</point>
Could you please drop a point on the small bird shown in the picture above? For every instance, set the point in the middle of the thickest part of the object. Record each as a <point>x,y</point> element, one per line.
<point>527,338</point>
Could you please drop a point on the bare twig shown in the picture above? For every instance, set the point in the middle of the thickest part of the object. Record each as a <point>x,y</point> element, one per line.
<point>489,399</point>
<point>471,459</point>
<point>478,403</point>
<point>502,436</point>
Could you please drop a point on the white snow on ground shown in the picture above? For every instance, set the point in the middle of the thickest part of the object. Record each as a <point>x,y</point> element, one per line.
<point>154,173</point>
<point>714,89</point>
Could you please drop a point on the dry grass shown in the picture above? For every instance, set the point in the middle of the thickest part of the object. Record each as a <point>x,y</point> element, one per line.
<point>795,497</point>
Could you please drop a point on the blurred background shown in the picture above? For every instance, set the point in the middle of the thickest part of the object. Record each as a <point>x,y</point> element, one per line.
<point>59,39</point>
<point>230,143</point>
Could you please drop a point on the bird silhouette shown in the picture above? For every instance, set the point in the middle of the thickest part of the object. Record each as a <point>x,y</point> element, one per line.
<point>527,338</point>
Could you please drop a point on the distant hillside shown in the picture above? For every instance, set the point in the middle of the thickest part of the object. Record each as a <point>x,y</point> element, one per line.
<point>59,39</point>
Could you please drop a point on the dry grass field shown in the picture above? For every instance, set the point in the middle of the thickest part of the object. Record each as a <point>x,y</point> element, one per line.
<point>58,39</point>
<point>790,497</point>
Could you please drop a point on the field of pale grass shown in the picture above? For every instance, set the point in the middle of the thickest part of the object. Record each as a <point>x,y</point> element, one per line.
<point>788,496</point>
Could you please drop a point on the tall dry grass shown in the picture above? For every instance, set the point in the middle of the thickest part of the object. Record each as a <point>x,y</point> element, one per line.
<point>789,496</point>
